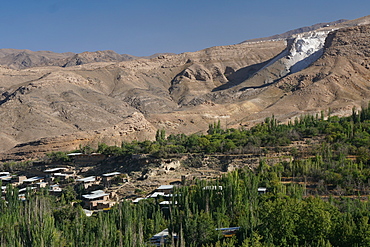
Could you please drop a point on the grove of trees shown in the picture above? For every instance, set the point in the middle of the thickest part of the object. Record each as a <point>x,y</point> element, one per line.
<point>318,198</point>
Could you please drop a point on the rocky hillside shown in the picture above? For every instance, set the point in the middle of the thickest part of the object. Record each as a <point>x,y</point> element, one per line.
<point>95,98</point>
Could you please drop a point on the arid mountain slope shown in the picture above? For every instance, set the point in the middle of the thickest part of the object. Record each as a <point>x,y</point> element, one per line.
<point>47,102</point>
<point>22,59</point>
<point>59,108</point>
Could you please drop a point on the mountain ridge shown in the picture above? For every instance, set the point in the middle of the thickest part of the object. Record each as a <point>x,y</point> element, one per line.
<point>238,85</point>
<point>22,58</point>
<point>292,32</point>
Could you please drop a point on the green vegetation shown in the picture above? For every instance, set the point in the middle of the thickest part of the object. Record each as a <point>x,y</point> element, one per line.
<point>282,217</point>
<point>318,196</point>
<point>348,136</point>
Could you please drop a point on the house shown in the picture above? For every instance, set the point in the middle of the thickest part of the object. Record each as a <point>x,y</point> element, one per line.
<point>61,173</point>
<point>33,180</point>
<point>112,174</point>
<point>213,187</point>
<point>27,189</point>
<point>22,197</point>
<point>166,203</point>
<point>163,190</point>
<point>108,177</point>
<point>105,205</point>
<point>96,197</point>
<point>228,232</point>
<point>54,170</point>
<point>156,194</point>
<point>63,176</point>
<point>18,180</point>
<point>5,178</point>
<point>41,184</point>
<point>55,189</point>
<point>162,238</point>
<point>262,190</point>
<point>88,213</point>
<point>88,181</point>
<point>166,189</point>
<point>138,199</point>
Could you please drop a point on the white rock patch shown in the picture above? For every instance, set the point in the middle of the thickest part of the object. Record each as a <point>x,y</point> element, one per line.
<point>305,49</point>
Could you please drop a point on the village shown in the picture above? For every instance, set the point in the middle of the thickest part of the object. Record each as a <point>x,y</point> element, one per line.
<point>98,192</point>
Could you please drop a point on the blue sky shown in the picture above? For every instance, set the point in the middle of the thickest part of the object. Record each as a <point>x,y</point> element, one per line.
<point>145,27</point>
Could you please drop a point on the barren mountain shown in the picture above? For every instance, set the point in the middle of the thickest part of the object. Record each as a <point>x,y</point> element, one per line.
<point>98,56</point>
<point>22,59</point>
<point>59,108</point>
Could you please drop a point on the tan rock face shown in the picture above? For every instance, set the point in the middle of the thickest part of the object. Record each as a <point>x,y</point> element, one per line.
<point>340,79</point>
<point>54,108</point>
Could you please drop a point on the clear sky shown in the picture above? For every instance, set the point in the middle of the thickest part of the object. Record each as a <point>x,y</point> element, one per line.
<point>145,27</point>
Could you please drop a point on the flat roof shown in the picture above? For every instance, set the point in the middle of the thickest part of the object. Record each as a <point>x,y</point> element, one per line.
<point>165,187</point>
<point>59,174</point>
<point>167,203</point>
<point>213,187</point>
<point>163,233</point>
<point>4,173</point>
<point>74,154</point>
<point>88,212</point>
<point>94,196</point>
<point>138,199</point>
<point>111,174</point>
<point>82,154</point>
<point>97,192</point>
<point>228,228</point>
<point>55,189</point>
<point>27,188</point>
<point>33,179</point>
<point>55,169</point>
<point>87,179</point>
<point>156,194</point>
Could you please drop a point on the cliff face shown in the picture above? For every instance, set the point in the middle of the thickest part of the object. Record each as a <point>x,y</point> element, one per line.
<point>55,108</point>
<point>339,79</point>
